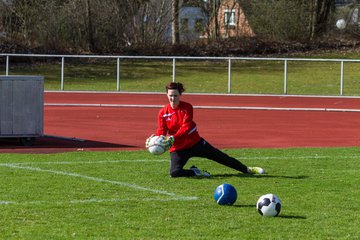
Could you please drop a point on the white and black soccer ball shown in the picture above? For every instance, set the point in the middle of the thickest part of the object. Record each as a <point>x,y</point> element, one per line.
<point>156,145</point>
<point>269,205</point>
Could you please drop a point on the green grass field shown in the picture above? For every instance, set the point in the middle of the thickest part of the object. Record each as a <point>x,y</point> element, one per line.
<point>248,77</point>
<point>129,195</point>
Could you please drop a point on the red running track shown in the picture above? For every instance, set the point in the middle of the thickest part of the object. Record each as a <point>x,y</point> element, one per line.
<point>122,121</point>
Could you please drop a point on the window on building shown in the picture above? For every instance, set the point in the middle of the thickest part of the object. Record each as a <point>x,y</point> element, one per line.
<point>229,17</point>
<point>198,25</point>
<point>184,24</point>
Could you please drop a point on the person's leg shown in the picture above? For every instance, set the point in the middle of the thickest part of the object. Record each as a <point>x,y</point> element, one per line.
<point>177,163</point>
<point>206,150</point>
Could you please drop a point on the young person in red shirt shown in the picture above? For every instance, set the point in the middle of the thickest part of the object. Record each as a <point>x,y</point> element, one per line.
<point>181,138</point>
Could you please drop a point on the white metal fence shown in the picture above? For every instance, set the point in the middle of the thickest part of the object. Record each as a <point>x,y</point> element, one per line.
<point>229,60</point>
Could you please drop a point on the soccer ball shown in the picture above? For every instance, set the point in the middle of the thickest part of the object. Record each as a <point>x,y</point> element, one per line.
<point>156,146</point>
<point>225,194</point>
<point>340,24</point>
<point>269,205</point>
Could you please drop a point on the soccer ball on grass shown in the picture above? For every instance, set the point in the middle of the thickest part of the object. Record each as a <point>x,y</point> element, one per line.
<point>269,205</point>
<point>225,194</point>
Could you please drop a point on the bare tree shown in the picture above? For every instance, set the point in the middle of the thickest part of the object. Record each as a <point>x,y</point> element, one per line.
<point>157,20</point>
<point>89,18</point>
<point>148,22</point>
<point>175,22</point>
<point>289,19</point>
<point>320,15</point>
<point>111,25</point>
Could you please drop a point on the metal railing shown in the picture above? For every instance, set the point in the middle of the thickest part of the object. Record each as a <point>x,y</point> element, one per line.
<point>175,58</point>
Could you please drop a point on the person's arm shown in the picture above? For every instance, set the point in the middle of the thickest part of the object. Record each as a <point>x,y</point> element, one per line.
<point>188,125</point>
<point>160,131</point>
<point>162,127</point>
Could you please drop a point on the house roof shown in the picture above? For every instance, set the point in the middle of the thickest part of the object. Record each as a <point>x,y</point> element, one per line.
<point>192,13</point>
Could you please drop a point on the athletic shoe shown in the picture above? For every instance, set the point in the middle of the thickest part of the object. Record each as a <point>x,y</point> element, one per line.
<point>206,174</point>
<point>256,170</point>
<point>200,173</point>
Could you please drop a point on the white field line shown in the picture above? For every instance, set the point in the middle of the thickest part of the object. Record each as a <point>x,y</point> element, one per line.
<point>201,107</point>
<point>93,200</point>
<point>90,162</point>
<point>134,186</point>
<point>14,165</point>
<point>167,160</point>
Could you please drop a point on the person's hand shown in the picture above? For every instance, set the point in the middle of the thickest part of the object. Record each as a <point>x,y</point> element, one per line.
<point>168,142</point>
<point>147,142</point>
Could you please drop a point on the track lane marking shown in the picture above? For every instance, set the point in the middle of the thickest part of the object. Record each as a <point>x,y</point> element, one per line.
<point>202,107</point>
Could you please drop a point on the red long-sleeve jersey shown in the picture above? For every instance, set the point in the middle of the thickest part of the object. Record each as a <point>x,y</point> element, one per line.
<point>178,123</point>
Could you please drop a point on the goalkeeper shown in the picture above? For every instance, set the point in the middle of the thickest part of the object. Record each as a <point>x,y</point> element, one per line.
<point>180,136</point>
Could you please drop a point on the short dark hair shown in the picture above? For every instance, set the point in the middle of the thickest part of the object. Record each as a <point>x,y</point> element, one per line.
<point>175,86</point>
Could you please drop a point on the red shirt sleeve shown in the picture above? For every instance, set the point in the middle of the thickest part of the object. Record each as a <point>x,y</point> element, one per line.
<point>186,124</point>
<point>162,127</point>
